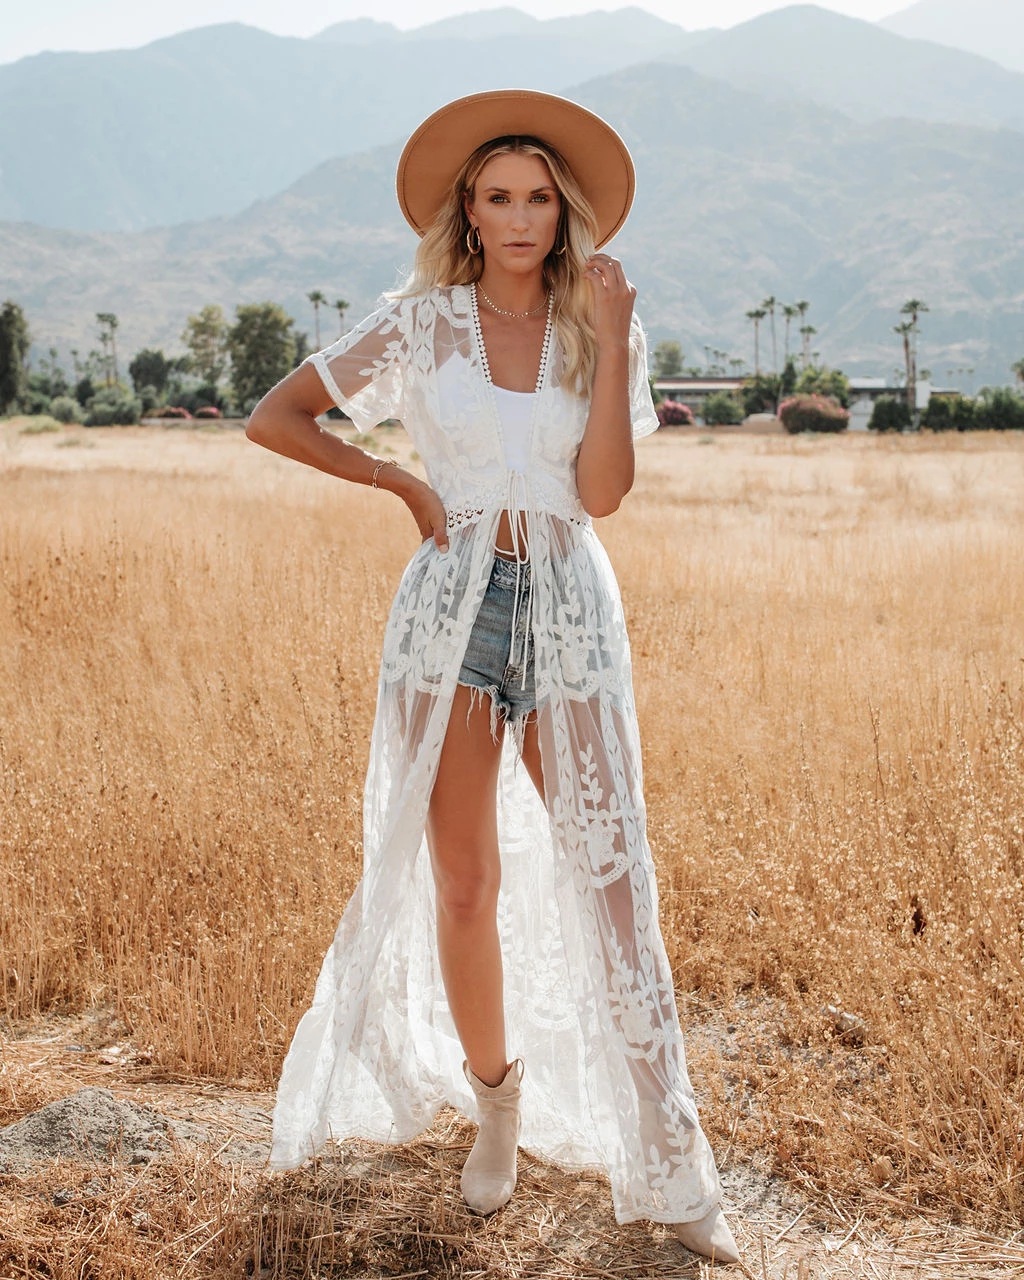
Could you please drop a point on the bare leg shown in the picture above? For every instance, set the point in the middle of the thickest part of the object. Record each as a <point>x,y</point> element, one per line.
<point>462,833</point>
<point>531,754</point>
<point>709,1236</point>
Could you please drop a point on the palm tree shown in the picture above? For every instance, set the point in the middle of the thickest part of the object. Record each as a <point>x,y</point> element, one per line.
<point>905,330</point>
<point>318,299</point>
<point>757,315</point>
<point>1018,371</point>
<point>807,332</point>
<point>341,306</point>
<point>108,323</point>
<point>913,307</point>
<point>769,304</point>
<point>105,354</point>
<point>791,313</point>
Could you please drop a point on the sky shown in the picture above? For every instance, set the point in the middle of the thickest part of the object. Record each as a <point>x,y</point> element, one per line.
<point>27,28</point>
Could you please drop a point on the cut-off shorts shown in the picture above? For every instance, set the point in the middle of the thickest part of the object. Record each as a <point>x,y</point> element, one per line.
<point>492,664</point>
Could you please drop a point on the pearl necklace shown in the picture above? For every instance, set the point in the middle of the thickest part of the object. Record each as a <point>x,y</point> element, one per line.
<point>545,347</point>
<point>515,315</point>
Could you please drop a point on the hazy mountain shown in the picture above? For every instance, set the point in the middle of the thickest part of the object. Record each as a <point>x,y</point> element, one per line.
<point>633,25</point>
<point>992,28</point>
<point>359,31</point>
<point>738,197</point>
<point>203,123</point>
<point>804,51</point>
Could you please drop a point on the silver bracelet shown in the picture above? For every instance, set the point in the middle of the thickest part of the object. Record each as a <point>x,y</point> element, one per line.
<point>384,462</point>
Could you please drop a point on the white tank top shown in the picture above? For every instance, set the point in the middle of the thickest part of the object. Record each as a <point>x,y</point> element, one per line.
<point>515,410</point>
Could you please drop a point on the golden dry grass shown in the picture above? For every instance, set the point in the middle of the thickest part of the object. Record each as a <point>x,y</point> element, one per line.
<point>828,660</point>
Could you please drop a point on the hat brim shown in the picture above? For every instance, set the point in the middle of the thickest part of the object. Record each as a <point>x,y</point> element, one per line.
<point>591,148</point>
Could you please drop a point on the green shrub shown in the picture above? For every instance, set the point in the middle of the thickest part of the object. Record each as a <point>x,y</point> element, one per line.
<point>66,409</point>
<point>890,414</point>
<point>813,413</point>
<point>723,409</point>
<point>999,409</point>
<point>35,401</point>
<point>150,368</point>
<point>85,389</point>
<point>818,380</point>
<point>149,398</point>
<point>949,413</point>
<point>37,424</point>
<point>185,394</point>
<point>938,416</point>
<point>113,406</point>
<point>761,394</point>
<point>964,415</point>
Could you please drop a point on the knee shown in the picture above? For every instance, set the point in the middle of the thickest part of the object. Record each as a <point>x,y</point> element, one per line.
<point>466,895</point>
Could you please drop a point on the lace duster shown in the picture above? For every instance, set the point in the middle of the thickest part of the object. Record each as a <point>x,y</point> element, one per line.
<point>588,989</point>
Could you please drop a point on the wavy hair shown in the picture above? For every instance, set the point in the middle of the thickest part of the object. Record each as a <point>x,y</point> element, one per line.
<point>443,257</point>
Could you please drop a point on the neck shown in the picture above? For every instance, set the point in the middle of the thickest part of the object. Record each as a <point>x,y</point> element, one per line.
<point>513,292</point>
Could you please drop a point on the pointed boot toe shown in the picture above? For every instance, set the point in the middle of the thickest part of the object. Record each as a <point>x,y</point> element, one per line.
<point>485,1193</point>
<point>489,1174</point>
<point>709,1236</point>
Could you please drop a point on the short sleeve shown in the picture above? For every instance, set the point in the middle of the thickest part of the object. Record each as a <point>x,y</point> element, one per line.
<point>641,402</point>
<point>365,371</point>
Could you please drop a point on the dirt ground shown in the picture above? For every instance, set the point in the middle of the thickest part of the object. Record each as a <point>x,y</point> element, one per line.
<point>397,1211</point>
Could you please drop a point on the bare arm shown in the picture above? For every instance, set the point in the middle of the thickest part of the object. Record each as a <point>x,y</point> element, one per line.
<point>605,464</point>
<point>285,421</point>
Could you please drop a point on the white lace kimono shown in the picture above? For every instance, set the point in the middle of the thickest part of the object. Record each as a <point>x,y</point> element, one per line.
<point>588,989</point>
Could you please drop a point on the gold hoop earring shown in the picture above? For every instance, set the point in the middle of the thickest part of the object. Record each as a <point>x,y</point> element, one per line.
<point>469,240</point>
<point>563,248</point>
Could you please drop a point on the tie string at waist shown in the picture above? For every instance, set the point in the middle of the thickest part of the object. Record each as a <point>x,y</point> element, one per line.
<point>518,507</point>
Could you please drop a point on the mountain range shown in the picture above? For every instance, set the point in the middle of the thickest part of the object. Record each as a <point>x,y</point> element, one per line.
<point>802,154</point>
<point>739,196</point>
<point>203,123</point>
<point>992,28</point>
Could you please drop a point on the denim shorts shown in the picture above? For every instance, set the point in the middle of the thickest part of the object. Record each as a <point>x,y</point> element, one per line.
<point>492,663</point>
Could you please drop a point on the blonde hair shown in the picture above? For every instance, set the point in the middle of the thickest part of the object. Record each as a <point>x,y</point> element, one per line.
<point>443,256</point>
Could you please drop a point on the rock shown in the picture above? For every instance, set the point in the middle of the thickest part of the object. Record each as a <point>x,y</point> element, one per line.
<point>847,1026</point>
<point>89,1125</point>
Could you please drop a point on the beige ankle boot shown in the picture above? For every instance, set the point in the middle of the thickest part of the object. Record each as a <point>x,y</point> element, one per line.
<point>709,1236</point>
<point>489,1174</point>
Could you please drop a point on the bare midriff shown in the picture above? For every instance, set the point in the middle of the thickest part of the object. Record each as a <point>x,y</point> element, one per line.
<point>505,543</point>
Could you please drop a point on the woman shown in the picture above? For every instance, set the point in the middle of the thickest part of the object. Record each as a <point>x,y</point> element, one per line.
<point>515,362</point>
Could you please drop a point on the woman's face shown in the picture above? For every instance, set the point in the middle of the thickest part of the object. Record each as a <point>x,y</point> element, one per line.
<point>516,207</point>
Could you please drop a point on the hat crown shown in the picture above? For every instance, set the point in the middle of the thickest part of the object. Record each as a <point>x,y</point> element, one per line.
<point>435,153</point>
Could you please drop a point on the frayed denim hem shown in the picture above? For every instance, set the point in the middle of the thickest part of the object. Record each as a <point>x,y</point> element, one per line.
<point>500,710</point>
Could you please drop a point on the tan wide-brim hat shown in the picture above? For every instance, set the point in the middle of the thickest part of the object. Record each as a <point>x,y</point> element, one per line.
<point>444,141</point>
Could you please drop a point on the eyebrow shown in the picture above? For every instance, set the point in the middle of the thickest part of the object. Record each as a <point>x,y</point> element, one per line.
<point>507,191</point>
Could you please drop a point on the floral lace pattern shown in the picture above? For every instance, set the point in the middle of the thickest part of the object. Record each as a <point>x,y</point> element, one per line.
<point>590,1004</point>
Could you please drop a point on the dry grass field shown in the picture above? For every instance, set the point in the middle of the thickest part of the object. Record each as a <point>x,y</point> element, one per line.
<point>829,659</point>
